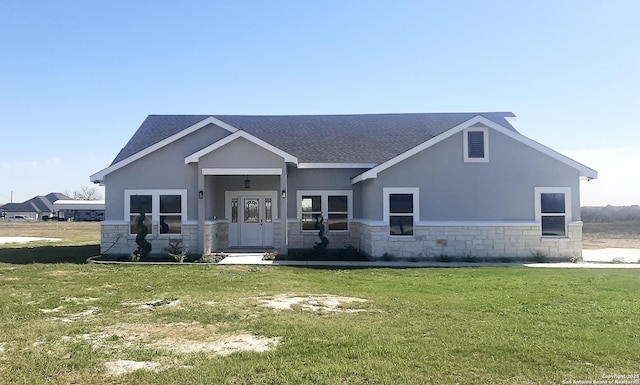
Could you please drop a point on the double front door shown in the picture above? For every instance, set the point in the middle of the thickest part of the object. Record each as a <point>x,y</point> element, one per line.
<point>251,218</point>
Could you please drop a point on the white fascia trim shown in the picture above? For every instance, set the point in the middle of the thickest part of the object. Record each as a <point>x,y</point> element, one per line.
<point>585,171</point>
<point>195,157</point>
<point>99,176</point>
<point>241,171</point>
<point>337,165</point>
<point>373,173</point>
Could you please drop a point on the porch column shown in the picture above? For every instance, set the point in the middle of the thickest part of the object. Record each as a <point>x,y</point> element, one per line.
<point>201,210</point>
<point>284,239</point>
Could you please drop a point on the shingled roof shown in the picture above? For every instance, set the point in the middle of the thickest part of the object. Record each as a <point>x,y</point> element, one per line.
<point>370,138</point>
<point>37,204</point>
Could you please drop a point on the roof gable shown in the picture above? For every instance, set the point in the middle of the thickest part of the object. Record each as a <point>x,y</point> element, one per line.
<point>479,119</point>
<point>195,157</point>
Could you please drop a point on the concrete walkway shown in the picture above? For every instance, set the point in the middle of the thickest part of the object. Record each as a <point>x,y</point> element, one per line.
<point>593,259</point>
<point>4,240</point>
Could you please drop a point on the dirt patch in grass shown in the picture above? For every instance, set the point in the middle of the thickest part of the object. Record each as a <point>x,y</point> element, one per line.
<point>178,338</point>
<point>59,273</point>
<point>80,316</point>
<point>120,367</point>
<point>314,302</point>
<point>223,345</point>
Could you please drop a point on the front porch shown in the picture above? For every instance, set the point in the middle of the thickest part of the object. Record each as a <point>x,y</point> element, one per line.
<point>242,208</point>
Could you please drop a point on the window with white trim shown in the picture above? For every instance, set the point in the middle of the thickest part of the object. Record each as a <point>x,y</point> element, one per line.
<point>333,208</point>
<point>401,207</point>
<point>476,144</point>
<point>165,208</point>
<point>553,210</point>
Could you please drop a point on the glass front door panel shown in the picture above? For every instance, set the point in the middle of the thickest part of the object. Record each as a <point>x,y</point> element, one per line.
<point>251,210</point>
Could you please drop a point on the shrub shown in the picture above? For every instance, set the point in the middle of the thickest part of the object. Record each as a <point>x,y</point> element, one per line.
<point>270,256</point>
<point>212,258</point>
<point>445,258</point>
<point>387,257</point>
<point>469,258</point>
<point>539,256</point>
<point>176,250</point>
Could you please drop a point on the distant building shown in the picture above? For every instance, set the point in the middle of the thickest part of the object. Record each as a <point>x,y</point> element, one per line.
<point>55,206</point>
<point>76,210</point>
<point>36,208</point>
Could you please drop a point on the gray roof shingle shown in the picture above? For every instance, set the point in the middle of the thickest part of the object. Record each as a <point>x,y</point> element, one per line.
<point>369,138</point>
<point>37,204</point>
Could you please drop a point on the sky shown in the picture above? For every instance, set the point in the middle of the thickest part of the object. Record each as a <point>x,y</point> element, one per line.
<point>77,78</point>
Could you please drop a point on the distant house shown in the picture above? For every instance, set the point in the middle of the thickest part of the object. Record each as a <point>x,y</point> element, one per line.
<point>79,210</point>
<point>36,208</point>
<point>406,185</point>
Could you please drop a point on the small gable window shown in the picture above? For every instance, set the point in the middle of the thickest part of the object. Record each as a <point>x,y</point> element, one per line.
<point>476,144</point>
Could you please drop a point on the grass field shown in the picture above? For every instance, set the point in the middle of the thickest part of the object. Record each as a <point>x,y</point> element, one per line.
<point>73,323</point>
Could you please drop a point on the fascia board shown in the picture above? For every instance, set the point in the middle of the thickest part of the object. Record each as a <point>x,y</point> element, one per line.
<point>585,171</point>
<point>337,165</point>
<point>195,157</point>
<point>99,176</point>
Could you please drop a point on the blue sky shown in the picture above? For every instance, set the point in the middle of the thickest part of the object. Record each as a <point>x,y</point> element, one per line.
<point>78,77</point>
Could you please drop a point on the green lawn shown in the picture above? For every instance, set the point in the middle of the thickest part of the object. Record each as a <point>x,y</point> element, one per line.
<point>65,323</point>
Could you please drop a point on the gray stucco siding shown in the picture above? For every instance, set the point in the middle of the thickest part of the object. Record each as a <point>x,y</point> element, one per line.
<point>161,169</point>
<point>452,190</point>
<point>241,153</point>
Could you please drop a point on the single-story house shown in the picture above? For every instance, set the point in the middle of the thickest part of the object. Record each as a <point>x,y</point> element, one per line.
<point>406,185</point>
<point>37,208</point>
<point>79,210</point>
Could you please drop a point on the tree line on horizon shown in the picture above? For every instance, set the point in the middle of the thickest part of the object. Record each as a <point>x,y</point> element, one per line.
<point>600,214</point>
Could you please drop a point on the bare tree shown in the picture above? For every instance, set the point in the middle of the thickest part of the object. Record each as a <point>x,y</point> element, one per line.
<point>87,194</point>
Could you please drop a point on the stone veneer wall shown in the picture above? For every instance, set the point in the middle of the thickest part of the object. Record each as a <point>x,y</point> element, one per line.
<point>306,240</point>
<point>513,241</point>
<point>216,236</point>
<point>115,239</point>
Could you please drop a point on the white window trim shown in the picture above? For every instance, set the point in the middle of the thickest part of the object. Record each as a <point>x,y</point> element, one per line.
<point>324,197</point>
<point>155,206</point>
<point>386,191</point>
<point>538,191</point>
<point>465,144</point>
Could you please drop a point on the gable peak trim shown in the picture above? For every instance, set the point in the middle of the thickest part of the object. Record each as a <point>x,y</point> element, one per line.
<point>195,157</point>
